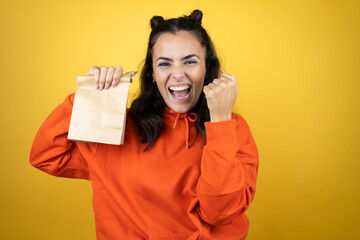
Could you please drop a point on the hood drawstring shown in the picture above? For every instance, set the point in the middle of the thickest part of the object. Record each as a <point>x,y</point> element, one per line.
<point>188,117</point>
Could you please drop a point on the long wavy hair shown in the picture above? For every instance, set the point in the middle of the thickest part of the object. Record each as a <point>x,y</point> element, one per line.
<point>146,110</point>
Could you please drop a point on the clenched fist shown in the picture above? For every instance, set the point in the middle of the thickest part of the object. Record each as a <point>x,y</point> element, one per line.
<point>221,95</point>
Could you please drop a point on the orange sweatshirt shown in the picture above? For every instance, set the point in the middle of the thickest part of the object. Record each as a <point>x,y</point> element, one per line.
<point>167,192</point>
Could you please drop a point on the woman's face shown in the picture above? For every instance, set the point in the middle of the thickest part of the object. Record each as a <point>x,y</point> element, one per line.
<point>179,69</point>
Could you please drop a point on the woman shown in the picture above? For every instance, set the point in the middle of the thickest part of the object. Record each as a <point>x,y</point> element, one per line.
<point>188,166</point>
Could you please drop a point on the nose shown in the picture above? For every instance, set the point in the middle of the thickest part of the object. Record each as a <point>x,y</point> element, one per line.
<point>178,73</point>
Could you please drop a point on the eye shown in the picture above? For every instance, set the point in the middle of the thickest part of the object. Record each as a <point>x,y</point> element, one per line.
<point>164,64</point>
<point>190,62</point>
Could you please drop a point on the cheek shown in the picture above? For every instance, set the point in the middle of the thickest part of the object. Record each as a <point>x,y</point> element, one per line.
<point>158,76</point>
<point>198,88</point>
<point>161,83</point>
<point>198,85</point>
<point>161,79</point>
<point>199,77</point>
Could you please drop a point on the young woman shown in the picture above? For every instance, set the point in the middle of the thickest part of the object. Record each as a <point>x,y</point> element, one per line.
<point>188,166</point>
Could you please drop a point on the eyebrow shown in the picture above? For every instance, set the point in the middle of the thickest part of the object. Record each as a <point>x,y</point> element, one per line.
<point>184,58</point>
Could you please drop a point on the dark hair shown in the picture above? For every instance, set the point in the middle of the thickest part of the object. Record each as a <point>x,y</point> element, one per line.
<point>147,108</point>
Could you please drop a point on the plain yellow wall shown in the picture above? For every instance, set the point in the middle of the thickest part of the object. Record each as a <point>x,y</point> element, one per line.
<point>297,65</point>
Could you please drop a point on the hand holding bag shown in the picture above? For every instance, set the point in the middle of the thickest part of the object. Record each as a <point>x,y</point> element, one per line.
<point>99,116</point>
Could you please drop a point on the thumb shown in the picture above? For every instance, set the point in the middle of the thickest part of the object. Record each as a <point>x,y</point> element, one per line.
<point>131,73</point>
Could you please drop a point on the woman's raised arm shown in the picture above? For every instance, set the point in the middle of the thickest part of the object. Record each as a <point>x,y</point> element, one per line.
<point>52,152</point>
<point>229,168</point>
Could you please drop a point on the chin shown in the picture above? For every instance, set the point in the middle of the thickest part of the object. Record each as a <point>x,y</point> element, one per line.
<point>180,109</point>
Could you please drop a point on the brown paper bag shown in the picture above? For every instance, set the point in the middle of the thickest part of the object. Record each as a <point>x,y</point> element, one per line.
<point>99,116</point>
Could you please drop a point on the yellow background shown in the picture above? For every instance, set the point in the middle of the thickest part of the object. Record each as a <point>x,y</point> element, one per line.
<point>297,65</point>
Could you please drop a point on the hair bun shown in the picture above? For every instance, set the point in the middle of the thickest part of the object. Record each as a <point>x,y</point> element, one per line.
<point>156,20</point>
<point>196,16</point>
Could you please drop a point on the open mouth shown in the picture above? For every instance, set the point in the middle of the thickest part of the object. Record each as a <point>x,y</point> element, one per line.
<point>180,91</point>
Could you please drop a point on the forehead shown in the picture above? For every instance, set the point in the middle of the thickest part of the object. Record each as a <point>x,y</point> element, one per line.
<point>181,43</point>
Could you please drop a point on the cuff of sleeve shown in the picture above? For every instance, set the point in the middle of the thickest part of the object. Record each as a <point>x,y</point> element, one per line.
<point>220,134</point>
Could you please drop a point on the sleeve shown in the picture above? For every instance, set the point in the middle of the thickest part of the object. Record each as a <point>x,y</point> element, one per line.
<point>53,153</point>
<point>229,168</point>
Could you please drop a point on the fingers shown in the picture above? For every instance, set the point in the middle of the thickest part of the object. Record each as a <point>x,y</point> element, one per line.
<point>97,76</point>
<point>206,91</point>
<point>220,96</point>
<point>231,77</point>
<point>117,75</point>
<point>109,76</point>
<point>106,77</point>
<point>226,80</point>
<point>103,71</point>
<point>95,71</point>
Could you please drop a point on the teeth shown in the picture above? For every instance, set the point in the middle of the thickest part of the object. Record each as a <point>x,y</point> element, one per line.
<point>181,88</point>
